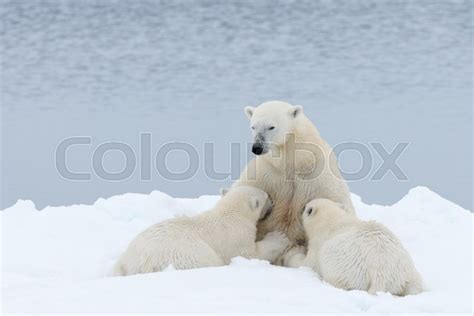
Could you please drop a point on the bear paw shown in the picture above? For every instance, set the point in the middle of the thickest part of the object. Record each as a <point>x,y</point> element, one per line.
<point>292,252</point>
<point>278,240</point>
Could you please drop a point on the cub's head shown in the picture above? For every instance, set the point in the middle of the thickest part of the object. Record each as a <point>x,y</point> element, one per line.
<point>252,202</point>
<point>321,211</point>
<point>270,122</point>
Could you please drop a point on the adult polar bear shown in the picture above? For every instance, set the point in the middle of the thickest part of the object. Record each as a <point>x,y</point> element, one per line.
<point>294,165</point>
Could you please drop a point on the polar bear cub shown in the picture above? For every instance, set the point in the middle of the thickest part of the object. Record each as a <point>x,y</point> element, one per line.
<point>206,240</point>
<point>352,254</point>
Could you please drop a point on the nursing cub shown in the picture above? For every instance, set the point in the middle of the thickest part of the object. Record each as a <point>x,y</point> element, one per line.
<point>352,254</point>
<point>209,239</point>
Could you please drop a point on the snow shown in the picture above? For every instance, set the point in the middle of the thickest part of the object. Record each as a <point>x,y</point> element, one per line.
<point>57,260</point>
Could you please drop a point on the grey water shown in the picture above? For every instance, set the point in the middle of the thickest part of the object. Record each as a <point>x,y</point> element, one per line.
<point>367,72</point>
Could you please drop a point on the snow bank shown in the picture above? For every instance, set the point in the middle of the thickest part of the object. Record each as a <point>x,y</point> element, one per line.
<point>57,259</point>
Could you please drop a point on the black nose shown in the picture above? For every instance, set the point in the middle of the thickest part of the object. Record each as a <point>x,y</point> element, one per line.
<point>257,149</point>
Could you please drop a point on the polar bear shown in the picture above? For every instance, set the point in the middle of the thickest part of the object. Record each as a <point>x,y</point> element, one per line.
<point>352,254</point>
<point>294,165</point>
<point>207,240</point>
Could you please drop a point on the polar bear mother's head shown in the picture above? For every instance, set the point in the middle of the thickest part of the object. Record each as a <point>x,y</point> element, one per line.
<point>270,123</point>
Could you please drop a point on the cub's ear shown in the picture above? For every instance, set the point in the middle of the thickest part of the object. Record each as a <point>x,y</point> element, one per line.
<point>254,203</point>
<point>296,111</point>
<point>342,206</point>
<point>249,111</point>
<point>310,210</point>
<point>224,191</point>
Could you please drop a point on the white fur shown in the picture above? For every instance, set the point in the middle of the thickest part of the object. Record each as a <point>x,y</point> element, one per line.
<point>290,174</point>
<point>353,254</point>
<point>206,240</point>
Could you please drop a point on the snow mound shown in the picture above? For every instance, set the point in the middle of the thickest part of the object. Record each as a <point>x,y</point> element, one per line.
<point>58,259</point>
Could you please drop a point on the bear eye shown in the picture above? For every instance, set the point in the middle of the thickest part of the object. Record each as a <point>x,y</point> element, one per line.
<point>253,127</point>
<point>310,210</point>
<point>271,127</point>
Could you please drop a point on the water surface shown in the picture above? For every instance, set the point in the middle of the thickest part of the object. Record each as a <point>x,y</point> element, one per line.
<point>365,71</point>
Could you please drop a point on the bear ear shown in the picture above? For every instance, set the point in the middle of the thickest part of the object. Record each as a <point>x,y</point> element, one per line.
<point>342,206</point>
<point>310,210</point>
<point>296,110</point>
<point>254,203</point>
<point>224,191</point>
<point>249,111</point>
